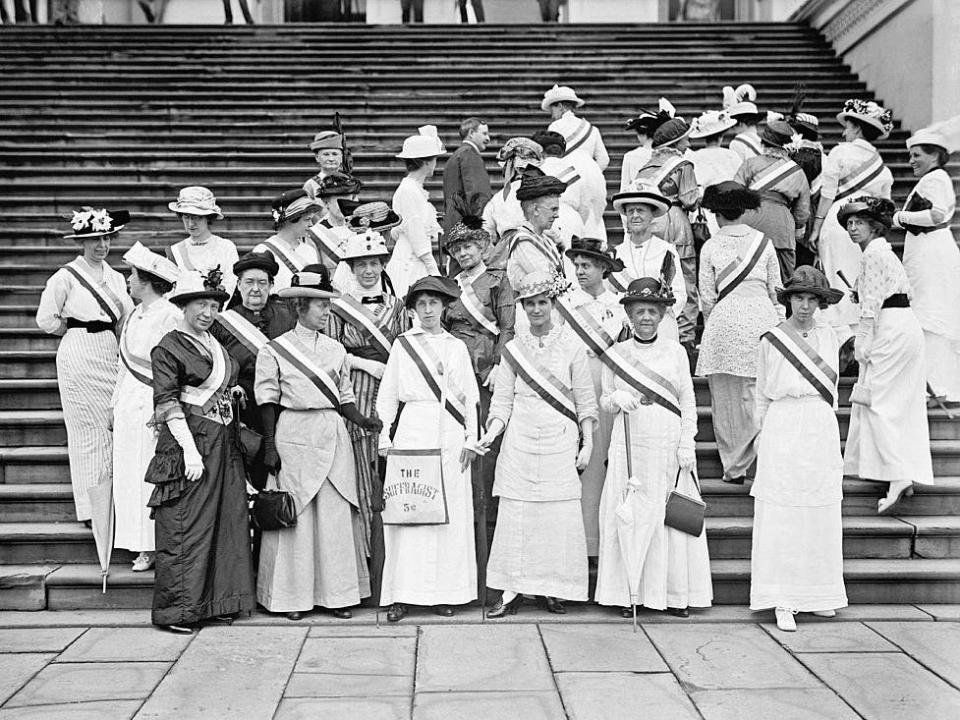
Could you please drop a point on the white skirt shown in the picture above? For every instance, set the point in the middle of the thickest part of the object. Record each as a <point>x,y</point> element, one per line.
<point>839,253</point>
<point>133,448</point>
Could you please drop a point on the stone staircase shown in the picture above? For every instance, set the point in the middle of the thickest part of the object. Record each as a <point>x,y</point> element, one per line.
<point>124,117</point>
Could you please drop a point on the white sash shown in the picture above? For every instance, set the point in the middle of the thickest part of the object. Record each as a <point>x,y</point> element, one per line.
<point>568,175</point>
<point>586,327</point>
<point>860,177</point>
<point>327,381</point>
<point>432,370</point>
<point>243,330</point>
<point>578,136</point>
<point>545,384</point>
<point>663,172</point>
<point>751,144</point>
<point>328,243</point>
<point>108,301</point>
<point>180,255</point>
<point>769,178</point>
<point>653,386</point>
<point>352,310</point>
<point>205,394</point>
<point>734,273</point>
<point>473,306</point>
<point>291,262</point>
<point>805,360</point>
<point>140,368</point>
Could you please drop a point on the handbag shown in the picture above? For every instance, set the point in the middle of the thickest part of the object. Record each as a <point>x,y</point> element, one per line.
<point>250,441</point>
<point>701,231</point>
<point>685,513</point>
<point>273,510</point>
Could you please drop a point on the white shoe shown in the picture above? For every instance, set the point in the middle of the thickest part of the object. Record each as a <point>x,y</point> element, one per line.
<point>825,613</point>
<point>785,620</point>
<point>143,562</point>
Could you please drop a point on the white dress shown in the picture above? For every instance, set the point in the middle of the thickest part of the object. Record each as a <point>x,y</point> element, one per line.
<point>133,442</point>
<point>676,572</point>
<point>797,556</point>
<point>586,190</point>
<point>645,261</point>
<point>569,125</point>
<point>415,237</point>
<point>214,252</point>
<point>430,564</point>
<point>713,165</point>
<point>302,255</point>
<point>633,162</point>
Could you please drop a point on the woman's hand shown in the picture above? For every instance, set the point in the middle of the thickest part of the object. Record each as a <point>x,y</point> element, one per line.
<point>384,450</point>
<point>687,458</point>
<point>471,451</point>
<point>372,424</point>
<point>583,457</point>
<point>271,458</point>
<point>491,378</point>
<point>861,349</point>
<point>625,400</point>
<point>192,466</point>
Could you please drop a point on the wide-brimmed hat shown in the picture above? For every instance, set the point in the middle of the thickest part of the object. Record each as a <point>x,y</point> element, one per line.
<point>593,249</point>
<point>88,222</point>
<point>196,200</point>
<point>257,261</point>
<point>365,244</point>
<point>649,290</point>
<point>640,193</point>
<point>327,140</point>
<point>291,205</point>
<point>739,102</point>
<point>879,209</point>
<point>311,282</point>
<point>142,258</point>
<point>469,229</point>
<point>535,184</point>
<point>944,134</point>
<point>712,122</point>
<point>425,144</point>
<point>520,146</point>
<point>192,285</point>
<point>729,196</point>
<point>645,122</point>
<point>541,282</point>
<point>559,93</point>
<point>670,133</point>
<point>546,138</point>
<point>370,215</point>
<point>807,279</point>
<point>332,185</point>
<point>444,287</point>
<point>776,133</point>
<point>868,112</point>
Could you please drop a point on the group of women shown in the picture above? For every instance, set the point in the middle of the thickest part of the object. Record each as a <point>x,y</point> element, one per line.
<point>307,343</point>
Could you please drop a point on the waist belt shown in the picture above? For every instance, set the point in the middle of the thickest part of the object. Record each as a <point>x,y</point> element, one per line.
<point>924,229</point>
<point>91,326</point>
<point>900,300</point>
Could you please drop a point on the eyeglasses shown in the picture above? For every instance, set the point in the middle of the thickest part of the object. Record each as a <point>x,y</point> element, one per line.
<point>250,283</point>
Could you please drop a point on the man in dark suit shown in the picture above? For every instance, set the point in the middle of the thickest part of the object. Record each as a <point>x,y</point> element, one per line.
<point>466,185</point>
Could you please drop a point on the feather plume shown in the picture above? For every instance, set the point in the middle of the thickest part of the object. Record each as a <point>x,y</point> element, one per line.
<point>799,95</point>
<point>665,107</point>
<point>667,271</point>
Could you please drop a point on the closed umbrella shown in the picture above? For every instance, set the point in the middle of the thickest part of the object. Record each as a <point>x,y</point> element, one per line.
<point>102,520</point>
<point>638,515</point>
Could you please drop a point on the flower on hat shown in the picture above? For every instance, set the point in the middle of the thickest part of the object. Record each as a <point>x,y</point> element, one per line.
<point>100,220</point>
<point>80,218</point>
<point>868,108</point>
<point>213,280</point>
<point>277,215</point>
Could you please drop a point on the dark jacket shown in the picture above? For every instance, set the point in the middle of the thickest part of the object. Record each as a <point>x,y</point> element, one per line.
<point>466,185</point>
<point>495,294</point>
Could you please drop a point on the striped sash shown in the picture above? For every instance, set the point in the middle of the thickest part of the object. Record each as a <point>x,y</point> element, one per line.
<point>546,248</point>
<point>620,280</point>
<point>568,175</point>
<point>656,388</point>
<point>805,359</point>
<point>772,176</point>
<point>578,136</point>
<point>281,254</point>
<point>140,368</point>
<point>431,368</point>
<point>586,327</point>
<point>664,171</point>
<point>102,294</point>
<point>737,271</point>
<point>179,254</point>
<point>479,312</point>
<point>544,383</point>
<point>246,333</point>
<point>204,396</point>
<point>860,177</point>
<point>326,241</point>
<point>351,310</point>
<point>326,381</point>
<point>748,142</point>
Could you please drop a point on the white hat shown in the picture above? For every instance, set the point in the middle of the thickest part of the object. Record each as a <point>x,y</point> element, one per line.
<point>559,93</point>
<point>196,200</point>
<point>710,123</point>
<point>739,101</point>
<point>945,134</point>
<point>368,243</point>
<point>642,193</point>
<point>426,144</point>
<point>142,258</point>
<point>869,112</point>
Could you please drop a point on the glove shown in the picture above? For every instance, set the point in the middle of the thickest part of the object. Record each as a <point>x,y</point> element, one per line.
<point>583,457</point>
<point>371,367</point>
<point>625,400</point>
<point>863,341</point>
<point>686,457</point>
<point>192,462</point>
<point>271,458</point>
<point>268,416</point>
<point>494,428</point>
<point>489,382</point>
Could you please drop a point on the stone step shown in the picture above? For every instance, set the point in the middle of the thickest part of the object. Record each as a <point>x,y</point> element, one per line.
<point>21,315</point>
<point>36,428</point>
<point>26,543</point>
<point>27,339</point>
<point>74,587</point>
<point>21,364</point>
<point>29,394</point>
<point>31,465</point>
<point>36,502</point>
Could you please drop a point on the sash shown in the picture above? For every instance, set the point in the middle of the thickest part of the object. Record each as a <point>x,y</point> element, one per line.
<point>425,359</point>
<point>477,310</point>
<point>139,368</point>
<point>860,177</point>
<point>326,381</point>
<point>737,271</point>
<point>281,254</point>
<point>578,136</point>
<point>568,175</point>
<point>544,383</point>
<point>656,388</point>
<point>102,294</point>
<point>775,174</point>
<point>204,395</point>
<point>805,359</point>
<point>246,333</point>
<point>749,142</point>
<point>180,256</point>
<point>327,246</point>
<point>550,251</point>
<point>663,172</point>
<point>815,187</point>
<point>351,310</point>
<point>587,329</point>
<point>620,280</point>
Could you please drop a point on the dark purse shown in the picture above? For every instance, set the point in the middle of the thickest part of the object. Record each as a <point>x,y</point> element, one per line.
<point>273,510</point>
<point>701,231</point>
<point>685,513</point>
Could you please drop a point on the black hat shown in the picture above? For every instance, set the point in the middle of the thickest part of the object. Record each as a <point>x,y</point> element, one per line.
<point>537,185</point>
<point>546,138</point>
<point>649,290</point>
<point>776,133</point>
<point>593,249</point>
<point>257,261</point>
<point>807,279</point>
<point>88,222</point>
<point>730,197</point>
<point>878,209</point>
<point>337,183</point>
<point>444,287</point>
<point>313,281</point>
<point>646,122</point>
<point>292,204</point>
<point>670,132</point>
<point>469,229</point>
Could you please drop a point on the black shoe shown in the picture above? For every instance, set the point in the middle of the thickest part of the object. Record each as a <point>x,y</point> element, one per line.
<point>180,629</point>
<point>342,613</point>
<point>294,616</point>
<point>555,606</point>
<point>397,612</point>
<point>679,612</point>
<point>626,612</point>
<point>222,619</point>
<point>735,480</point>
<point>443,611</point>
<point>500,610</point>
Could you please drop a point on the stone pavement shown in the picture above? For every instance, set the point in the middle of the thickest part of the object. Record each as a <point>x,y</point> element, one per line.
<point>874,662</point>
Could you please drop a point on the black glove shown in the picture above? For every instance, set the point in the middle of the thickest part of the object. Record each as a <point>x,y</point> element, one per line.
<point>268,415</point>
<point>370,424</point>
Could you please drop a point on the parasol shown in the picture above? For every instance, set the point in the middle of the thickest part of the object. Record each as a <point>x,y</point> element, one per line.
<point>102,520</point>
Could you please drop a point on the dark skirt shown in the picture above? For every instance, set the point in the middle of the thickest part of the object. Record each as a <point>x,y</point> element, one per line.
<point>203,565</point>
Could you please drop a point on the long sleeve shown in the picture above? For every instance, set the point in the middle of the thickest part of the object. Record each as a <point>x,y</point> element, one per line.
<point>600,151</point>
<point>625,177</point>
<point>875,283</point>
<point>607,387</point>
<point>468,383</point>
<point>584,396</point>
<point>50,309</point>
<point>231,256</point>
<point>688,402</point>
<point>744,173</point>
<point>504,302</point>
<point>678,285</point>
<point>707,281</point>
<point>762,399</point>
<point>937,189</point>
<point>388,394</point>
<point>476,182</point>
<point>414,227</point>
<point>167,383</point>
<point>688,191</point>
<point>830,174</point>
<point>773,282</point>
<point>800,208</point>
<point>266,387</point>
<point>501,405</point>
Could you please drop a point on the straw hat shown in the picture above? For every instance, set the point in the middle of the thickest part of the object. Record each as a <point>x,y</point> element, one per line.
<point>739,102</point>
<point>807,279</point>
<point>196,200</point>
<point>640,193</point>
<point>191,285</point>
<point>376,215</point>
<point>426,144</point>
<point>540,282</point>
<point>712,122</point>
<point>88,222</point>
<point>311,282</point>
<point>868,112</point>
<point>142,258</point>
<point>291,205</point>
<point>560,93</point>
<point>367,243</point>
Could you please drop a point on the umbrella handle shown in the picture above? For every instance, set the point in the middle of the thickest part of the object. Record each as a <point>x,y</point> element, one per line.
<point>626,442</point>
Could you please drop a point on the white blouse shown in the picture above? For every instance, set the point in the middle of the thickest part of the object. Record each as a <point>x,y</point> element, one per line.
<point>216,251</point>
<point>64,297</point>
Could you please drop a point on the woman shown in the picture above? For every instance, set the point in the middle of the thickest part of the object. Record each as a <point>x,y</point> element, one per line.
<point>797,558</point>
<point>539,546</point>
<point>304,393</point>
<point>431,565</point>
<point>784,194</point>
<point>713,163</point>
<point>202,251</point>
<point>739,277</point>
<point>84,302</point>
<point>643,125</point>
<point>337,193</point>
<point>652,388</point>
<point>199,500</point>
<point>366,320</point>
<point>642,253</point>
<point>932,260</point>
<point>889,440</point>
<point>853,167</point>
<point>294,212</point>
<point>419,232</point>
<point>739,104</point>
<point>152,276</point>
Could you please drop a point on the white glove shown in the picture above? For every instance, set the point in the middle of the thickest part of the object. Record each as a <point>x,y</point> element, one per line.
<point>583,457</point>
<point>371,367</point>
<point>861,348</point>
<point>192,462</point>
<point>494,428</point>
<point>489,382</point>
<point>687,458</point>
<point>625,400</point>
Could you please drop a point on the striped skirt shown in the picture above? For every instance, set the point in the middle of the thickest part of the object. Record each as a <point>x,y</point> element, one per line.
<point>86,375</point>
<point>365,388</point>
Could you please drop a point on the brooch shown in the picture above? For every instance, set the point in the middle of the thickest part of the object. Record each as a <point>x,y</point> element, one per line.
<point>644,400</point>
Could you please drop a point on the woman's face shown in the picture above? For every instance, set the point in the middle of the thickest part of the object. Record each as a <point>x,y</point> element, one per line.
<point>467,254</point>
<point>136,284</point>
<point>538,309</point>
<point>200,314</point>
<point>639,217</point>
<point>430,166</point>
<point>313,314</point>
<point>429,310</point>
<point>645,318</point>
<point>589,271</point>
<point>803,306</point>
<point>329,159</point>
<point>195,225</point>
<point>860,229</point>
<point>922,162</point>
<point>255,286</point>
<point>96,249</point>
<point>367,271</point>
<point>851,131</point>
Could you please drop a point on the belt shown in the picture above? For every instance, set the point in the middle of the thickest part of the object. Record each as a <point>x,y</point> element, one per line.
<point>900,300</point>
<point>924,229</point>
<point>91,326</point>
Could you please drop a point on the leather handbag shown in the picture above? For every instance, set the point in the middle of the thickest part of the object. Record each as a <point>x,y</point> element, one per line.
<point>685,513</point>
<point>273,510</point>
<point>701,231</point>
